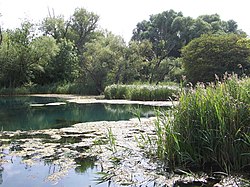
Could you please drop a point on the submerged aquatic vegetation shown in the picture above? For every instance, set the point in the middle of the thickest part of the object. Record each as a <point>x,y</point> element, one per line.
<point>209,129</point>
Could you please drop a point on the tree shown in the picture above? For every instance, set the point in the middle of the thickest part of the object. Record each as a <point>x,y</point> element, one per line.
<point>23,56</point>
<point>43,51</point>
<point>79,29</point>
<point>103,61</point>
<point>82,31</point>
<point>215,54</point>
<point>63,67</point>
<point>232,27</point>
<point>82,28</point>
<point>72,36</point>
<point>158,30</point>
<point>14,60</point>
<point>169,31</point>
<point>139,56</point>
<point>54,26</point>
<point>7,58</point>
<point>218,26</point>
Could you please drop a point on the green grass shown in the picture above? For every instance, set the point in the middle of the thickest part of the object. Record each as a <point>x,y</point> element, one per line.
<point>141,92</point>
<point>55,88</point>
<point>209,129</point>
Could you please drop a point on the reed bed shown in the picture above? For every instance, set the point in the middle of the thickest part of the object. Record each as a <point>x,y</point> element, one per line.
<point>141,92</point>
<point>208,130</point>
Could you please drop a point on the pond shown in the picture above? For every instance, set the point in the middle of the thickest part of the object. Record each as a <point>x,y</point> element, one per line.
<point>34,113</point>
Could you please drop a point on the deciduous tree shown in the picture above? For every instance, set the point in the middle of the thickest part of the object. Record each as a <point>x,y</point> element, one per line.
<point>169,31</point>
<point>103,60</point>
<point>216,54</point>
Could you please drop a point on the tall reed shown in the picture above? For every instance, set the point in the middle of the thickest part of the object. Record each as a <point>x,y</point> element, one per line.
<point>140,92</point>
<point>210,128</point>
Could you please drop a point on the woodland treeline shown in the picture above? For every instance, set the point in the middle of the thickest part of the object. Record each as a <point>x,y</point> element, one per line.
<point>163,48</point>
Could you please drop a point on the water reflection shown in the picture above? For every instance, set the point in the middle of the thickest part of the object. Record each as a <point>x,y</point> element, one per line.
<point>84,164</point>
<point>47,174</point>
<point>18,113</point>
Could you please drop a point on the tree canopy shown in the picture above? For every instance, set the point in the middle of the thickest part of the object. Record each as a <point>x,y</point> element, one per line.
<point>169,31</point>
<point>76,50</point>
<point>211,55</point>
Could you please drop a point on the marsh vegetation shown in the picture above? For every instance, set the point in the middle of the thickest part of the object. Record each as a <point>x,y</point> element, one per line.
<point>208,130</point>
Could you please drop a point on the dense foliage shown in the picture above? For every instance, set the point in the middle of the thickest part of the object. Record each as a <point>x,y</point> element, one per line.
<point>211,55</point>
<point>58,52</point>
<point>169,31</point>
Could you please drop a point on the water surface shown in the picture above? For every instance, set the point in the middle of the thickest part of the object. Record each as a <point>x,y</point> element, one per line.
<point>16,173</point>
<point>33,113</point>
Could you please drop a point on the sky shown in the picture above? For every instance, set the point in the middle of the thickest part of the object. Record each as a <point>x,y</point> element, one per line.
<point>121,16</point>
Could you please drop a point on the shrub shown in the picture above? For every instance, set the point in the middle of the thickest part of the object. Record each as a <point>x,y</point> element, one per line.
<point>216,54</point>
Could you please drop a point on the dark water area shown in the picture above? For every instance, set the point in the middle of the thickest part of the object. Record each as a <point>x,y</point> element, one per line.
<point>34,113</point>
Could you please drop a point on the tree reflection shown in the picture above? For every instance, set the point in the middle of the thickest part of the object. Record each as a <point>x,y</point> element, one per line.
<point>84,164</point>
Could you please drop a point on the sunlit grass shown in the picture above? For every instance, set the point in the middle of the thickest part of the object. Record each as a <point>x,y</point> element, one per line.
<point>209,129</point>
<point>141,92</point>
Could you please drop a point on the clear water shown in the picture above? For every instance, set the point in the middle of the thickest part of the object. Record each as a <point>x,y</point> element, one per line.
<point>30,113</point>
<point>18,174</point>
<point>23,113</point>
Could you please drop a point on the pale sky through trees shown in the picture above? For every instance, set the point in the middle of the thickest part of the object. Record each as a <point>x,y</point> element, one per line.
<point>121,16</point>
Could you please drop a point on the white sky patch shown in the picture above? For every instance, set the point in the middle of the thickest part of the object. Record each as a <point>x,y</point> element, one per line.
<point>121,16</point>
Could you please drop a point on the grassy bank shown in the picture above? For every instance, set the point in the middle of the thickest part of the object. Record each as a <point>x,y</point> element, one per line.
<point>56,88</point>
<point>209,129</point>
<point>141,92</point>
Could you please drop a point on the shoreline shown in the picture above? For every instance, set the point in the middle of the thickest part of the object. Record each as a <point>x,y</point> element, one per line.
<point>100,99</point>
